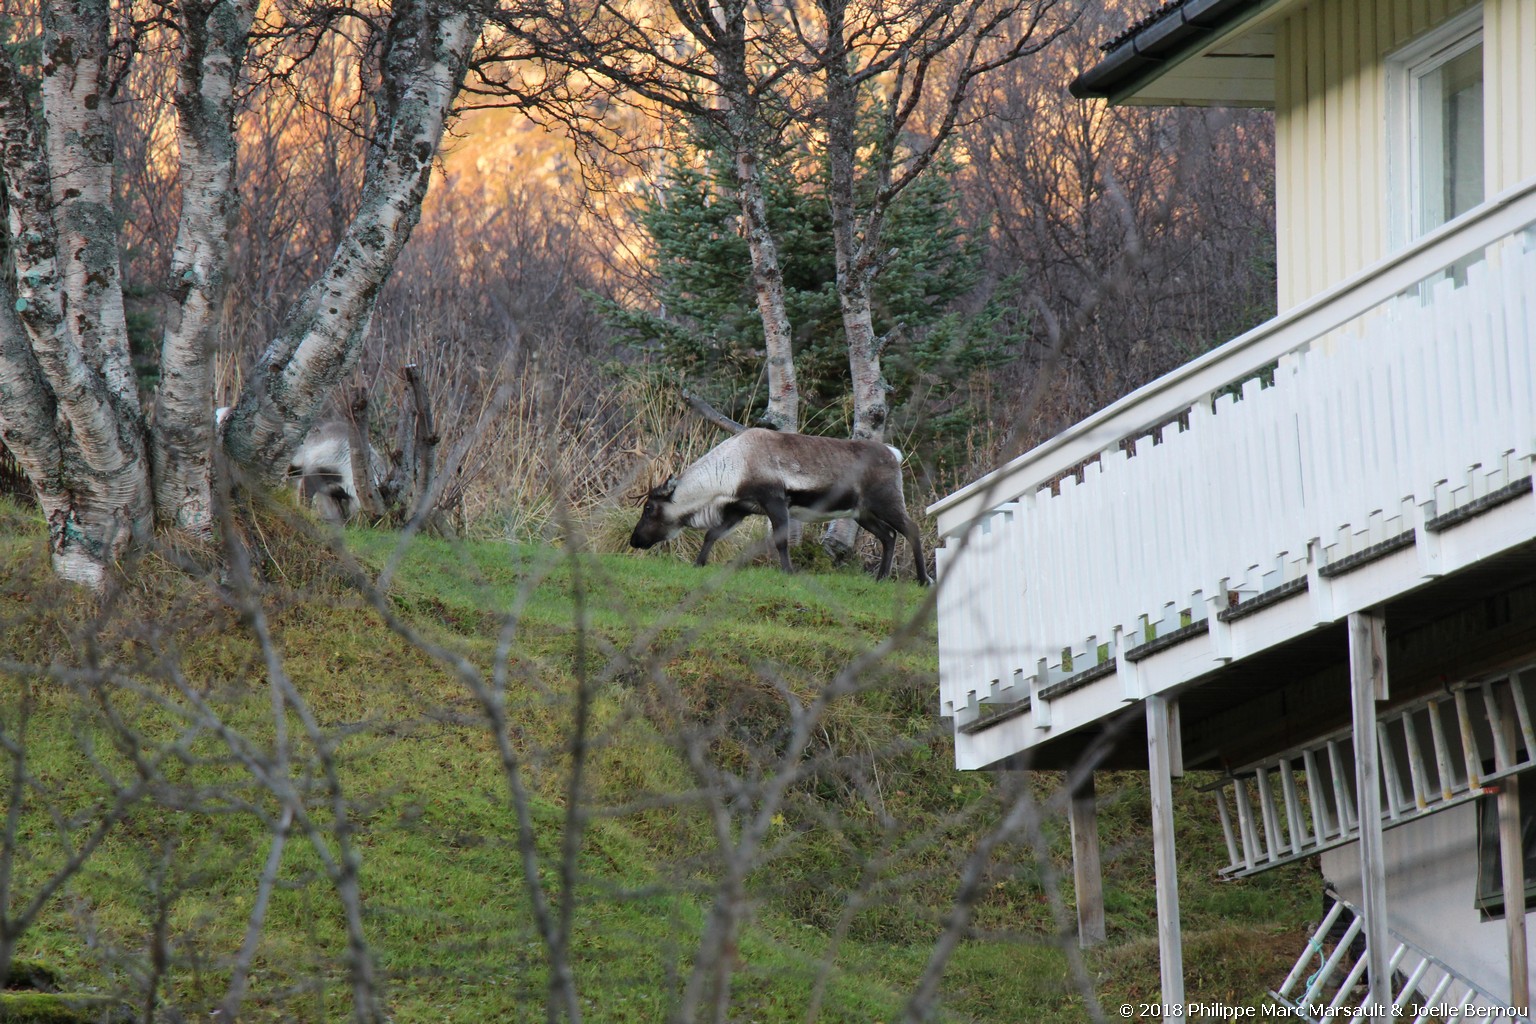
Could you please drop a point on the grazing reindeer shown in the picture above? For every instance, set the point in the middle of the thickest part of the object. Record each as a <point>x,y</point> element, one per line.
<point>322,471</point>
<point>321,468</point>
<point>764,472</point>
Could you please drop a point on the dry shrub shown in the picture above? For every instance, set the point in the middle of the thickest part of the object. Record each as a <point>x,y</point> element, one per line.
<point>492,302</point>
<point>564,454</point>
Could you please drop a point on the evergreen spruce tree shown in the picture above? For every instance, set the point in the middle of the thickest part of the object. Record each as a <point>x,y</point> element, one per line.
<point>704,325</point>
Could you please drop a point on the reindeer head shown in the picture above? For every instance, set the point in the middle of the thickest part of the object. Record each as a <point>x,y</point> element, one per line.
<point>658,520</point>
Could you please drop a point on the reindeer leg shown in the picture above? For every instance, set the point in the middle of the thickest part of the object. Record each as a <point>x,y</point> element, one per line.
<point>776,507</point>
<point>728,522</point>
<point>887,538</point>
<point>915,542</point>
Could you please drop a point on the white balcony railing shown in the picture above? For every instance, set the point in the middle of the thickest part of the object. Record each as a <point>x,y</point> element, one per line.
<point>1336,430</point>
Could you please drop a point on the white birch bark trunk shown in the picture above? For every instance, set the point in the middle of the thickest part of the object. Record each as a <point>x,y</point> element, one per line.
<point>88,465</point>
<point>214,40</point>
<point>854,265</point>
<point>322,338</point>
<point>27,408</point>
<point>69,406</point>
<point>783,411</point>
<point>81,149</point>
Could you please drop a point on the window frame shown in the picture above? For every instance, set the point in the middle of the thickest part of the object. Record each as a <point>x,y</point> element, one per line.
<point>1488,887</point>
<point>1405,68</point>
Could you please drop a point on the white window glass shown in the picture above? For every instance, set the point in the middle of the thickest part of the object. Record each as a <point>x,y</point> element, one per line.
<point>1448,116</point>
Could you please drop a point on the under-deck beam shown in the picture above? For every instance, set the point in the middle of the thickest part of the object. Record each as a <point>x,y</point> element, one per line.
<point>1087,879</point>
<point>1368,684</point>
<point>1160,762</point>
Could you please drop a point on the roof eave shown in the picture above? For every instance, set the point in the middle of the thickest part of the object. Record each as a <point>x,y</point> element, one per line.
<point>1142,56</point>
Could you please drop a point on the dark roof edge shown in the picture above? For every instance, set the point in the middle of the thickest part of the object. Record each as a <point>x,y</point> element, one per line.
<point>1144,49</point>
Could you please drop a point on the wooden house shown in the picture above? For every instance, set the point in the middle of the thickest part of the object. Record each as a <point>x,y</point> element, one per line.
<point>1306,561</point>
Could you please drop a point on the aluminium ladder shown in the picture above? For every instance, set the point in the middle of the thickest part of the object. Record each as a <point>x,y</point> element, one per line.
<point>1423,988</point>
<point>1436,752</point>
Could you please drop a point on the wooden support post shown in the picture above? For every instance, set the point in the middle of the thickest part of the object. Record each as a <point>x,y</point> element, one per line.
<point>1512,858</point>
<point>1086,877</point>
<point>1368,684</point>
<point>1170,943</point>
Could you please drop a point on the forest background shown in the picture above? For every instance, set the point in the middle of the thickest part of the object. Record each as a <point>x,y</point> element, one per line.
<point>578,272</point>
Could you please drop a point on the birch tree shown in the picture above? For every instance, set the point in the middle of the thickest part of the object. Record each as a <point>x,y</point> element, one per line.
<point>916,62</point>
<point>717,62</point>
<point>106,470</point>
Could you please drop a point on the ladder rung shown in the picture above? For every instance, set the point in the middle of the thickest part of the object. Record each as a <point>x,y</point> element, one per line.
<point>1442,752</point>
<point>1341,789</point>
<point>1410,986</point>
<point>1503,757</point>
<point>1348,985</point>
<point>1316,942</point>
<point>1469,750</point>
<point>1272,837</point>
<point>1294,818</point>
<point>1522,713</point>
<point>1433,1001</point>
<point>1392,964</point>
<point>1226,828</point>
<point>1332,963</point>
<point>1415,763</point>
<point>1390,784</point>
<point>1468,1001</point>
<point>1321,826</point>
<point>1245,823</point>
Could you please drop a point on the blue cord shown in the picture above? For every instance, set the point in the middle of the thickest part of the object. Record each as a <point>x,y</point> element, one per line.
<point>1317,947</point>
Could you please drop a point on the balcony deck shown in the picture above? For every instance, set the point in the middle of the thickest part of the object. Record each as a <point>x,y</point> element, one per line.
<point>1206,536</point>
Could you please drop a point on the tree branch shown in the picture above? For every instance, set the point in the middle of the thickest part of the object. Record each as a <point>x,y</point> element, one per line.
<point>713,415</point>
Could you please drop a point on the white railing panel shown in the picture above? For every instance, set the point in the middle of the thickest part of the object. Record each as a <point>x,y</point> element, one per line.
<point>1423,400</point>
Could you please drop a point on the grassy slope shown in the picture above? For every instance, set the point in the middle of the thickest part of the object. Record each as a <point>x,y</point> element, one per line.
<point>448,911</point>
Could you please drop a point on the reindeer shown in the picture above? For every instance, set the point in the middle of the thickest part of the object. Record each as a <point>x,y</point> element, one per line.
<point>764,472</point>
<point>321,468</point>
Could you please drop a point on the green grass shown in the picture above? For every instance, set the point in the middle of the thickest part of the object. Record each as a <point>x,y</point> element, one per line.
<point>669,651</point>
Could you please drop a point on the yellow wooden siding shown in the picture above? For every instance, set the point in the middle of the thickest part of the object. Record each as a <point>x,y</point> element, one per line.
<point>1509,40</point>
<point>1333,168</point>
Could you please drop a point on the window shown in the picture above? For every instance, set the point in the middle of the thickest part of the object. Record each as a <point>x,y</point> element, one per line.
<point>1490,865</point>
<point>1436,85</point>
